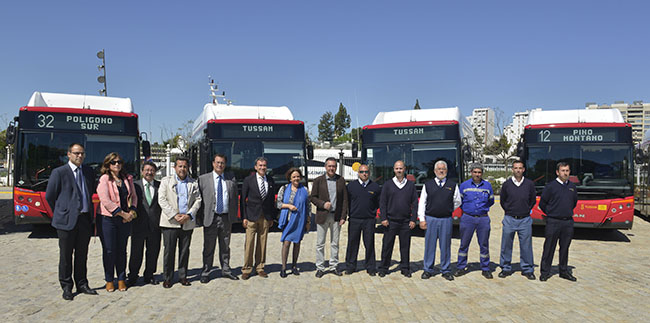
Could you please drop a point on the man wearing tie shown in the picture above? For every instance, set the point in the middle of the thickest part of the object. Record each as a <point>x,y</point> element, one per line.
<point>146,227</point>
<point>68,194</point>
<point>258,212</point>
<point>219,205</point>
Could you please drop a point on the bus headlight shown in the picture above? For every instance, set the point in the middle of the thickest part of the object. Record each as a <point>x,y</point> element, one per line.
<point>20,197</point>
<point>29,199</point>
<point>614,210</point>
<point>620,207</point>
<point>37,203</point>
<point>629,205</point>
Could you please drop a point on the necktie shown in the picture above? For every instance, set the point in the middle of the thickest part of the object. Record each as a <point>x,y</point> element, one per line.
<point>441,183</point>
<point>262,189</point>
<point>219,196</point>
<point>80,186</point>
<point>147,193</point>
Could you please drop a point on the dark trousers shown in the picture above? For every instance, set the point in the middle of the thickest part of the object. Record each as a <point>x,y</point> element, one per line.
<point>114,237</point>
<point>355,228</point>
<point>74,241</point>
<point>402,229</point>
<point>220,228</point>
<point>555,230</point>
<point>171,237</point>
<point>138,242</point>
<point>469,224</point>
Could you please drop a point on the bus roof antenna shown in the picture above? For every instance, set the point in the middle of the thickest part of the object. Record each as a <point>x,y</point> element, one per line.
<point>214,88</point>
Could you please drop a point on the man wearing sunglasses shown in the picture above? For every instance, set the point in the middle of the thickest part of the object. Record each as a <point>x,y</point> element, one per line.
<point>363,195</point>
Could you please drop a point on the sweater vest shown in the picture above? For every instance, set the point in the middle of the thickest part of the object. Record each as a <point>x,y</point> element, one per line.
<point>440,201</point>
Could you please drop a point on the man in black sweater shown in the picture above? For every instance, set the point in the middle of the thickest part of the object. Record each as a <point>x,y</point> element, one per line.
<point>558,200</point>
<point>398,212</point>
<point>363,198</point>
<point>518,198</point>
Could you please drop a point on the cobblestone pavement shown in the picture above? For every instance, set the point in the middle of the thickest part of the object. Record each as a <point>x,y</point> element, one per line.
<point>611,267</point>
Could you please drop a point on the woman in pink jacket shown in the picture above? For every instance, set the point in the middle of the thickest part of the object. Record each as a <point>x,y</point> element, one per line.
<point>118,203</point>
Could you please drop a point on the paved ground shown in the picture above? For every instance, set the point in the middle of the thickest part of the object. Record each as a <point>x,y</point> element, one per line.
<point>611,266</point>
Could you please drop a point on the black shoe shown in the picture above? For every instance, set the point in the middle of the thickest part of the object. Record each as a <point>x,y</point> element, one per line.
<point>130,282</point>
<point>151,281</point>
<point>167,284</point>
<point>568,277</point>
<point>338,272</point>
<point>349,271</point>
<point>406,273</point>
<point>448,276</point>
<point>67,294</point>
<point>185,282</point>
<point>487,274</point>
<point>372,273</point>
<point>230,276</point>
<point>283,273</point>
<point>319,273</point>
<point>530,276</point>
<point>205,279</point>
<point>382,273</point>
<point>504,274</point>
<point>294,270</point>
<point>544,277</point>
<point>460,272</point>
<point>85,289</point>
<point>426,275</point>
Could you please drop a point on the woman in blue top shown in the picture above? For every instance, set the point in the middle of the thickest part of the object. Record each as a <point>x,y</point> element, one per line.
<point>293,201</point>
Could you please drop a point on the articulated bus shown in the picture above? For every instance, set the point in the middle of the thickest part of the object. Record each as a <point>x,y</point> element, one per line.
<point>419,138</point>
<point>48,124</point>
<point>598,146</point>
<point>243,133</point>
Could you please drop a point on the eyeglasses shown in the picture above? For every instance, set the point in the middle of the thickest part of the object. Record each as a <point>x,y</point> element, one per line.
<point>364,172</point>
<point>78,153</point>
<point>115,162</point>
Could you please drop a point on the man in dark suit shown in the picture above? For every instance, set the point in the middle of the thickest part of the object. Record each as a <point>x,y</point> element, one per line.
<point>218,207</point>
<point>69,195</point>
<point>258,212</point>
<point>330,196</point>
<point>146,227</point>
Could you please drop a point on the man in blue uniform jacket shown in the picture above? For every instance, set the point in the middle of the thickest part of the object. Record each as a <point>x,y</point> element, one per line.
<point>477,198</point>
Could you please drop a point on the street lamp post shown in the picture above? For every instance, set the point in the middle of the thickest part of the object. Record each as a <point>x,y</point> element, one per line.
<point>102,78</point>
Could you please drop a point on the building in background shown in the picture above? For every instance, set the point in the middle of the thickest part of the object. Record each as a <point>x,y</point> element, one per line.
<point>515,129</point>
<point>637,114</point>
<point>482,120</point>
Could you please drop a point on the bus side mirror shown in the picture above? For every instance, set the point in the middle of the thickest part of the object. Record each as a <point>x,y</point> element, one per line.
<point>11,134</point>
<point>520,150</point>
<point>146,149</point>
<point>639,156</point>
<point>310,152</point>
<point>355,150</point>
<point>467,152</point>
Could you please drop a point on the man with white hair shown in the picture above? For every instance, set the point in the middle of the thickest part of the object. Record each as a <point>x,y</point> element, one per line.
<point>438,200</point>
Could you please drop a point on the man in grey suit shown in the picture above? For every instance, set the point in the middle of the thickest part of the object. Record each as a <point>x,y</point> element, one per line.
<point>146,227</point>
<point>219,206</point>
<point>179,200</point>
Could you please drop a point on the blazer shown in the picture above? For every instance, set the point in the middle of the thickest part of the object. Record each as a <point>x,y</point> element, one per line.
<point>168,201</point>
<point>63,195</point>
<point>148,219</point>
<point>319,195</point>
<point>109,195</point>
<point>252,205</point>
<point>209,202</point>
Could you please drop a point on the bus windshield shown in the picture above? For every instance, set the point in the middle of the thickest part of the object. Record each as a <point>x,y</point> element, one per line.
<point>281,156</point>
<point>41,152</point>
<point>599,171</point>
<point>419,160</point>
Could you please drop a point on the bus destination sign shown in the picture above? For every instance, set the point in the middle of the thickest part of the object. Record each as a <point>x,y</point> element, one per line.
<point>410,134</point>
<point>594,135</point>
<point>66,121</point>
<point>252,131</point>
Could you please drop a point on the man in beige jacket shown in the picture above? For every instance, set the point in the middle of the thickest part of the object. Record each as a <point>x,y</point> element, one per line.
<point>180,200</point>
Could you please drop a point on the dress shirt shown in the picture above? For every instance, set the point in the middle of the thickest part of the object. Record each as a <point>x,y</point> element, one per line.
<point>183,196</point>
<point>422,204</point>
<point>399,184</point>
<point>561,182</point>
<point>83,183</point>
<point>517,183</point>
<point>224,190</point>
<point>363,183</point>
<point>331,189</point>
<point>261,180</point>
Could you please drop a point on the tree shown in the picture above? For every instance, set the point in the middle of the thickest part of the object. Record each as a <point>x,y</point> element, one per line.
<point>477,146</point>
<point>500,148</point>
<point>417,105</point>
<point>341,121</point>
<point>326,127</point>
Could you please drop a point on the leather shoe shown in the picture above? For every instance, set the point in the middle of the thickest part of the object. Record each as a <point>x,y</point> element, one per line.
<point>230,276</point>
<point>85,289</point>
<point>349,272</point>
<point>338,272</point>
<point>406,273</point>
<point>295,271</point>
<point>382,274</point>
<point>283,273</point>
<point>260,273</point>
<point>426,275</point>
<point>121,285</point>
<point>185,282</point>
<point>167,284</point>
<point>530,276</point>
<point>67,294</point>
<point>245,276</point>
<point>319,273</point>
<point>461,272</point>
<point>487,274</point>
<point>544,277</point>
<point>568,277</point>
<point>372,273</point>
<point>130,282</point>
<point>205,279</point>
<point>448,276</point>
<point>151,281</point>
<point>504,274</point>
<point>110,287</point>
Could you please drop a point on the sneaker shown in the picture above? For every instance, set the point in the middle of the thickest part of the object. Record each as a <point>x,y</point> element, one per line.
<point>461,272</point>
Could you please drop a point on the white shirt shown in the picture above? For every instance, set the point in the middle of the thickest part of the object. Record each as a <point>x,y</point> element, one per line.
<point>399,184</point>
<point>261,180</point>
<point>74,169</point>
<point>517,183</point>
<point>422,204</point>
<point>364,184</point>
<point>560,181</point>
<point>224,189</point>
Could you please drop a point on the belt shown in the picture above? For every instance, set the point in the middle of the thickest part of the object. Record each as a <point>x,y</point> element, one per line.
<point>215,213</point>
<point>518,217</point>
<point>476,216</point>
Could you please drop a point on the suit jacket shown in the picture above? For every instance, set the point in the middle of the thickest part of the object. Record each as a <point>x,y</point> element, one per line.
<point>109,195</point>
<point>320,194</point>
<point>168,201</point>
<point>252,205</point>
<point>148,219</point>
<point>63,195</point>
<point>209,201</point>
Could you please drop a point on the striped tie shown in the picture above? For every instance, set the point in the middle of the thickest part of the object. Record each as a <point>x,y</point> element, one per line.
<point>262,189</point>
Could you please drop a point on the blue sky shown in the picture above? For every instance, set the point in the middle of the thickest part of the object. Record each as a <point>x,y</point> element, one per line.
<point>310,55</point>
